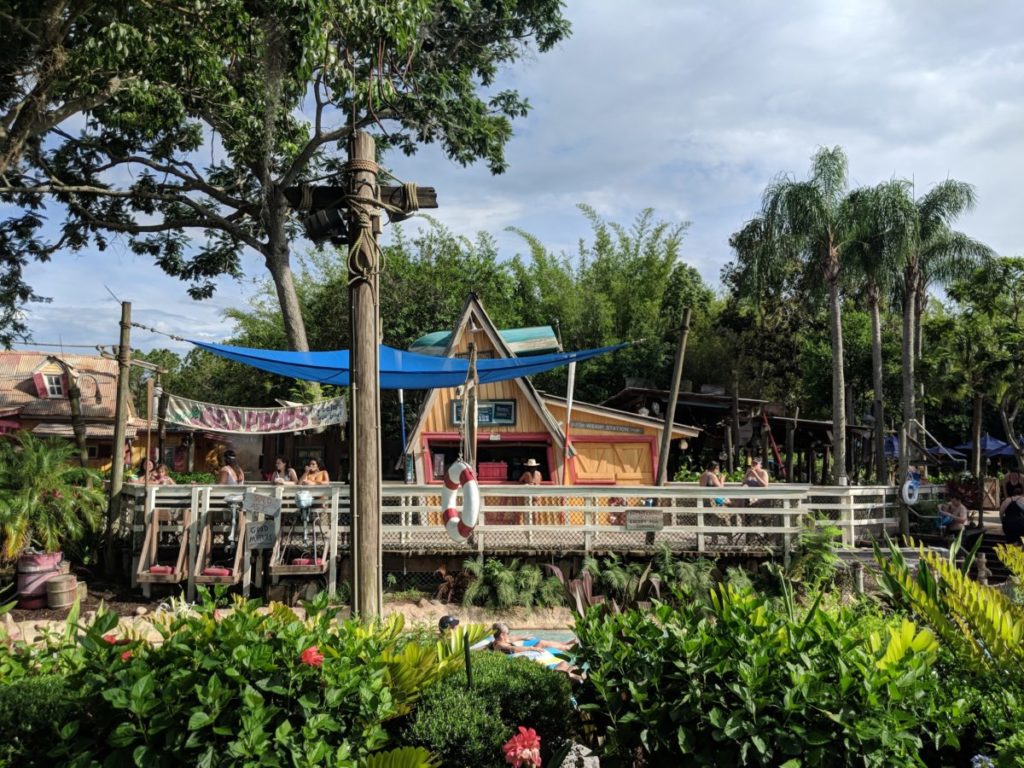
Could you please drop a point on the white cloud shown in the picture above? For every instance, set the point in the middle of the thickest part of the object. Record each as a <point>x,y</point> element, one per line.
<point>690,108</point>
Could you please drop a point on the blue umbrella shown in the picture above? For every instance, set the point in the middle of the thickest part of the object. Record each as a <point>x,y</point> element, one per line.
<point>1006,450</point>
<point>989,446</point>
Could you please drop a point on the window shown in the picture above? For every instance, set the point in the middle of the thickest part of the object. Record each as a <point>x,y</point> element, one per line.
<point>54,385</point>
<point>488,412</point>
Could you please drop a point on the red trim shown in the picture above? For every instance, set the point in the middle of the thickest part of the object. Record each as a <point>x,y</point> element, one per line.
<point>40,382</point>
<point>649,439</point>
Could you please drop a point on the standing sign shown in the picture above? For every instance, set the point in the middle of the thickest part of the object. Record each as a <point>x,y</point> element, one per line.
<point>259,504</point>
<point>644,520</point>
<point>260,535</point>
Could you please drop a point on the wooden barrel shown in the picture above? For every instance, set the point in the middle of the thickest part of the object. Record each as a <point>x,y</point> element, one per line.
<point>34,571</point>
<point>61,591</point>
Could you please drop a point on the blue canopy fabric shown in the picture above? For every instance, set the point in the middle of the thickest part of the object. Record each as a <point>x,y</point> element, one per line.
<point>398,369</point>
<point>989,446</point>
<point>945,453</point>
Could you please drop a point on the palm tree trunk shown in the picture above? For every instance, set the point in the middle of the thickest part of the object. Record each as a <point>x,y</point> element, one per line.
<point>838,386</point>
<point>920,300</point>
<point>881,470</point>
<point>908,373</point>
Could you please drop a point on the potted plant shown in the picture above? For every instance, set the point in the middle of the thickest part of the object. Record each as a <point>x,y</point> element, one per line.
<point>45,501</point>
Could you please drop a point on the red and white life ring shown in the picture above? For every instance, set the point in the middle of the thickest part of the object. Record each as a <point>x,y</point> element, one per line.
<point>460,526</point>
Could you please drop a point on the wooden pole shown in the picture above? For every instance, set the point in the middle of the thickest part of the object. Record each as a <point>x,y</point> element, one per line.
<point>673,399</point>
<point>790,442</point>
<point>363,264</point>
<point>124,357</point>
<point>736,420</point>
<point>469,416</point>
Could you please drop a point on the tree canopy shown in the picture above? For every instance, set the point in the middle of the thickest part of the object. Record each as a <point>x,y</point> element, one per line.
<point>263,96</point>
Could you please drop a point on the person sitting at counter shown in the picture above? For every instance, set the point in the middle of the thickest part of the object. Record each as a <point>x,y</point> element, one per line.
<point>314,475</point>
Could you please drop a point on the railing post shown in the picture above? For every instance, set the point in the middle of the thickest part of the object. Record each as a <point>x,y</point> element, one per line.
<point>849,518</point>
<point>332,554</point>
<point>787,544</point>
<point>588,527</point>
<point>858,577</point>
<point>700,525</point>
<point>982,569</point>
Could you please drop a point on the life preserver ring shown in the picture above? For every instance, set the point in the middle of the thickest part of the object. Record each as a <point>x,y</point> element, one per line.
<point>910,492</point>
<point>460,525</point>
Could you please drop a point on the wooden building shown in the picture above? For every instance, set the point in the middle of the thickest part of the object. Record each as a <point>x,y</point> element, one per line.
<point>517,424</point>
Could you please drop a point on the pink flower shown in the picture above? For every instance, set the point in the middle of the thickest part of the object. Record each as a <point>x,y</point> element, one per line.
<point>523,749</point>
<point>312,657</point>
<point>110,638</point>
<point>126,655</point>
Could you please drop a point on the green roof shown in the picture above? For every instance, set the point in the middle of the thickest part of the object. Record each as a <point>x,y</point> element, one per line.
<point>537,340</point>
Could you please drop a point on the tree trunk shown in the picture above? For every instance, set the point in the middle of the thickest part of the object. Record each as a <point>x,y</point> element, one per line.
<point>976,418</point>
<point>881,470</point>
<point>920,300</point>
<point>910,284</point>
<point>838,386</point>
<point>278,262</point>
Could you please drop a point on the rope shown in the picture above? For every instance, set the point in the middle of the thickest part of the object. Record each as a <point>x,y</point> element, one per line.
<point>412,203</point>
<point>306,201</point>
<point>369,166</point>
<point>162,333</point>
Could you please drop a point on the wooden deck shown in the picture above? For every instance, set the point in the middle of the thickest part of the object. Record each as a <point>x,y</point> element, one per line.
<point>532,520</point>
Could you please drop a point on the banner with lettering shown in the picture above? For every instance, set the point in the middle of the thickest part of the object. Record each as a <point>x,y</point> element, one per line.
<point>235,420</point>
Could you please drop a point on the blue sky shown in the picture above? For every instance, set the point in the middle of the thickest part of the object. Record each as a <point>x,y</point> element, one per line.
<point>687,107</point>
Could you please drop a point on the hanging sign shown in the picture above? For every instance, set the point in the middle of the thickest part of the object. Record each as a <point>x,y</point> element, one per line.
<point>235,420</point>
<point>261,504</point>
<point>259,535</point>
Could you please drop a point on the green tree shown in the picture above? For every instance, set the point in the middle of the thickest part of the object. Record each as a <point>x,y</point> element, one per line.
<point>283,87</point>
<point>812,222</point>
<point>937,255</point>
<point>885,219</point>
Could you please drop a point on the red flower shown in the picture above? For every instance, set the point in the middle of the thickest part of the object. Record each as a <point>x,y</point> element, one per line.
<point>312,657</point>
<point>523,749</point>
<point>110,638</point>
<point>126,655</point>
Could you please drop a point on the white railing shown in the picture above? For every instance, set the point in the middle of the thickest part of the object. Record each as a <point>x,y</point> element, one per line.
<point>547,519</point>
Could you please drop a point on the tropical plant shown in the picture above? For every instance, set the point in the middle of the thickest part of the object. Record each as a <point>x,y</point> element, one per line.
<point>815,560</point>
<point>810,223</point>
<point>497,585</point>
<point>884,219</point>
<point>749,680</point>
<point>937,255</point>
<point>982,625</point>
<point>45,498</point>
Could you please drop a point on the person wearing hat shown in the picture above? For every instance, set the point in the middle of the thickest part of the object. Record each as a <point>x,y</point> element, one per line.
<point>531,475</point>
<point>230,472</point>
<point>446,623</point>
<point>757,476</point>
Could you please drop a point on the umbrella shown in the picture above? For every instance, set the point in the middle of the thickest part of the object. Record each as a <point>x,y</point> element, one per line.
<point>1006,450</point>
<point>989,446</point>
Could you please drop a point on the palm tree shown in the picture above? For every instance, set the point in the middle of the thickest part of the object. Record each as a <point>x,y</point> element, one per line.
<point>938,255</point>
<point>885,219</point>
<point>813,220</point>
<point>44,498</point>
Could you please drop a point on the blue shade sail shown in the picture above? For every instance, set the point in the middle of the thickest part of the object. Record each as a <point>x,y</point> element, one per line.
<point>398,369</point>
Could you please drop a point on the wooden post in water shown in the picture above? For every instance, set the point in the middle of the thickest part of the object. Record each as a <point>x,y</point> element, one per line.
<point>673,398</point>
<point>124,357</point>
<point>363,266</point>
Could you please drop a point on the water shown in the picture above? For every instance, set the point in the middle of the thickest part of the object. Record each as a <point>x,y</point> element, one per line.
<point>558,635</point>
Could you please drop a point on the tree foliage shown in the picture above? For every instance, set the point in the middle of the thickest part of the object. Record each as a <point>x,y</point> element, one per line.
<point>264,97</point>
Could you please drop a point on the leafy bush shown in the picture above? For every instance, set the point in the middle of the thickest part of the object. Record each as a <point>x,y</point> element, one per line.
<point>814,562</point>
<point>468,727</point>
<point>30,709</point>
<point>199,478</point>
<point>46,498</point>
<point>244,688</point>
<point>753,681</point>
<point>494,584</point>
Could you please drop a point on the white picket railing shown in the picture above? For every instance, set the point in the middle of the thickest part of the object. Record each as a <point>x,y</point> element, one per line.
<point>551,519</point>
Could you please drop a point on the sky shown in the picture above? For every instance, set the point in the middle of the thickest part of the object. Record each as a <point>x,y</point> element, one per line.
<point>690,108</point>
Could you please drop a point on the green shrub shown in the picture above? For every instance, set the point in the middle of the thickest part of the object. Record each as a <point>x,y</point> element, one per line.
<point>753,681</point>
<point>468,727</point>
<point>244,688</point>
<point>30,710</point>
<point>493,584</point>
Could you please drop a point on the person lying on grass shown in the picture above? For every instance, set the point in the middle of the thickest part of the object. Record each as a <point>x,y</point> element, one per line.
<point>538,651</point>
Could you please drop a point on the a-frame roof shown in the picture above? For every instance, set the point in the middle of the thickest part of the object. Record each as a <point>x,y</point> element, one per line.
<point>473,310</point>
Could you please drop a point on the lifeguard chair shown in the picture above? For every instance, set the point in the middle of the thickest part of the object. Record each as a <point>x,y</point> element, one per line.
<point>220,550</point>
<point>302,548</point>
<point>165,537</point>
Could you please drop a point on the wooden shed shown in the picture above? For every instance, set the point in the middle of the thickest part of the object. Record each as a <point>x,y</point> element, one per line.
<point>516,425</point>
